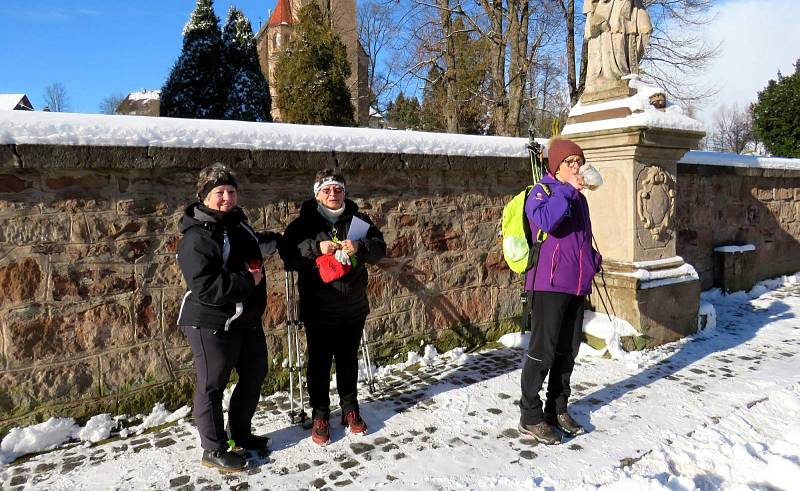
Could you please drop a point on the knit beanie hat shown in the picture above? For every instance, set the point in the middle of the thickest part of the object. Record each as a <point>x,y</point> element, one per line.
<point>560,149</point>
<point>212,176</point>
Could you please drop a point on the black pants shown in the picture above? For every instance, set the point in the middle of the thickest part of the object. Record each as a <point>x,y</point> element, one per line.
<point>327,342</point>
<point>557,320</point>
<point>216,354</point>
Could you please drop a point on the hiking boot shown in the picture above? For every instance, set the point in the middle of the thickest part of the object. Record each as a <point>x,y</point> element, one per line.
<point>542,432</point>
<point>564,422</point>
<point>252,442</point>
<point>320,432</point>
<point>223,461</point>
<point>353,422</point>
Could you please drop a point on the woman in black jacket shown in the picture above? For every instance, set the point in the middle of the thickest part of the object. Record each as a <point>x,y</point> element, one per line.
<point>220,257</point>
<point>334,313</point>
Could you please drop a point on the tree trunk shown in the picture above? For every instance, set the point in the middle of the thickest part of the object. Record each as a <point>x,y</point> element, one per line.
<point>498,57</point>
<point>450,71</point>
<point>518,20</point>
<point>571,72</point>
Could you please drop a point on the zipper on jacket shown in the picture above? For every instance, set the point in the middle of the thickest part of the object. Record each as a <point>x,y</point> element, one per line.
<point>553,263</point>
<point>183,302</point>
<point>226,249</point>
<point>580,271</point>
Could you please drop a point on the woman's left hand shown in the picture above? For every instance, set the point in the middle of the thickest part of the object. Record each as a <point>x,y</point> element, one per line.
<point>350,247</point>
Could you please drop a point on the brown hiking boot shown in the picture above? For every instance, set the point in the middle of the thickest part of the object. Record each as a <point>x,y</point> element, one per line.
<point>564,422</point>
<point>320,432</point>
<point>353,422</point>
<point>542,432</point>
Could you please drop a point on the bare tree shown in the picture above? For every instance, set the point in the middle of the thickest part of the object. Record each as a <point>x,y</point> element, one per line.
<point>576,76</point>
<point>678,50</point>
<point>732,130</point>
<point>547,104</point>
<point>517,30</point>
<point>55,97</point>
<point>512,33</point>
<point>379,29</point>
<point>430,55</point>
<point>110,103</point>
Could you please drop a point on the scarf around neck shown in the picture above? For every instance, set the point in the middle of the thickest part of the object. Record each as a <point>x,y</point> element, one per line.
<point>332,216</point>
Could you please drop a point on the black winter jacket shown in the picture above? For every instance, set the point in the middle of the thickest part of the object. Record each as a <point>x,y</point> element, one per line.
<point>341,300</point>
<point>212,255</point>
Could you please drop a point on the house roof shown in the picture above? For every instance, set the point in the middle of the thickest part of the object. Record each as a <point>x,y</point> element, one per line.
<point>10,102</point>
<point>144,103</point>
<point>282,14</point>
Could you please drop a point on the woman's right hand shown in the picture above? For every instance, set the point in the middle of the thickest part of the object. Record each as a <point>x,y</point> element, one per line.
<point>575,180</point>
<point>257,273</point>
<point>327,247</point>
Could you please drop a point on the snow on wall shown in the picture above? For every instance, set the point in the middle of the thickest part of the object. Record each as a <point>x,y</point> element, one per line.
<point>736,160</point>
<point>735,249</point>
<point>113,130</point>
<point>28,127</point>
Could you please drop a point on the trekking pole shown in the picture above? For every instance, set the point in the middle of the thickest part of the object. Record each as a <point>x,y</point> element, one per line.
<point>367,362</point>
<point>599,294</point>
<point>295,356</point>
<point>535,150</point>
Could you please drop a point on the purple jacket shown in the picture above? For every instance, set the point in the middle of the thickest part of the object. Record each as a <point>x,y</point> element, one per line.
<point>567,261</point>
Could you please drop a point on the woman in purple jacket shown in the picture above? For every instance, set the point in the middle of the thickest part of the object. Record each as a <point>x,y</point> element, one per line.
<point>561,280</point>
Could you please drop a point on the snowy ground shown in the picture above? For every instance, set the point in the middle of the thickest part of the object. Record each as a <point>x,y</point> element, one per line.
<point>718,410</point>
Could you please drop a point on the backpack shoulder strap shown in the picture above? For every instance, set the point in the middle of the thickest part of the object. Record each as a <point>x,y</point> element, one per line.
<point>540,234</point>
<point>546,189</point>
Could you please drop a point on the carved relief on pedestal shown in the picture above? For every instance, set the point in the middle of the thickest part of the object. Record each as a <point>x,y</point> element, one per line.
<point>655,206</point>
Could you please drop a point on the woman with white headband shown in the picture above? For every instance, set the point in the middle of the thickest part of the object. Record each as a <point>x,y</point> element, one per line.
<point>329,245</point>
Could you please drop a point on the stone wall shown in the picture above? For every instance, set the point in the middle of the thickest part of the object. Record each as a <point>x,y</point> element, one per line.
<point>719,205</point>
<point>91,289</point>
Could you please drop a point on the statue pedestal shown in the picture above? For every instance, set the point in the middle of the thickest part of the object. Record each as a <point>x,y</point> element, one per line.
<point>633,219</point>
<point>611,89</point>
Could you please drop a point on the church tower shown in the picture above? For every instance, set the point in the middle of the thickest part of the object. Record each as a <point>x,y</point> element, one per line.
<point>272,38</point>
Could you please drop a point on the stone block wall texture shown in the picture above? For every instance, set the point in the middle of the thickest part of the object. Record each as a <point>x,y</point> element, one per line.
<point>735,206</point>
<point>90,290</point>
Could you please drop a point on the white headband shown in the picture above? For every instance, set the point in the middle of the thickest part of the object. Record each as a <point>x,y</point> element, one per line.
<point>326,181</point>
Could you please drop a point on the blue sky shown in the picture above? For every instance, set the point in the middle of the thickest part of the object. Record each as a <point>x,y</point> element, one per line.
<point>96,48</point>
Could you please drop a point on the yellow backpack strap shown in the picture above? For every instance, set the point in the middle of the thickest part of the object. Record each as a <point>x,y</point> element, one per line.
<point>542,235</point>
<point>546,189</point>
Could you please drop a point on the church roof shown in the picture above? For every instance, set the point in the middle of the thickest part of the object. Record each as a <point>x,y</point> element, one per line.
<point>282,14</point>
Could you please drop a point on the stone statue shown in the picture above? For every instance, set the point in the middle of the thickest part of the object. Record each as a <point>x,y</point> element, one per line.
<point>617,32</point>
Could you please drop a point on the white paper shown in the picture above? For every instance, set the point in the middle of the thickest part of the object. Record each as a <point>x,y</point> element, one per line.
<point>358,229</point>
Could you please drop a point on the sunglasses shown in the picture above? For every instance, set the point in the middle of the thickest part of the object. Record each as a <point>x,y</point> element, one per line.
<point>332,190</point>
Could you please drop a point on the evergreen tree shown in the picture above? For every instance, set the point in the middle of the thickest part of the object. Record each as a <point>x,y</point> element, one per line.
<point>404,113</point>
<point>248,96</point>
<point>433,98</point>
<point>471,85</point>
<point>311,74</point>
<point>195,86</point>
<point>776,115</point>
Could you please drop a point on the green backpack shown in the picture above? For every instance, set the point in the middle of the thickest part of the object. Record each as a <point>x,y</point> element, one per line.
<point>519,250</point>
